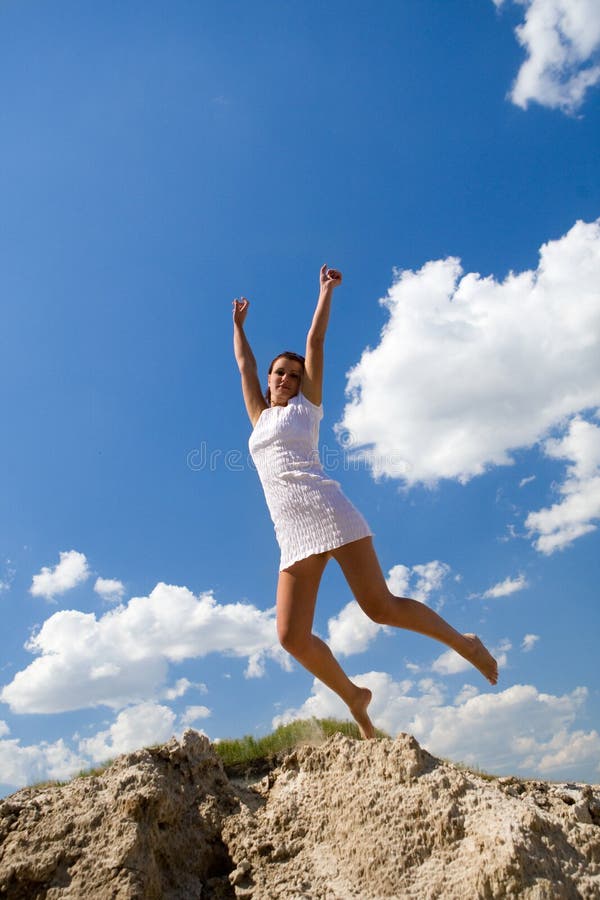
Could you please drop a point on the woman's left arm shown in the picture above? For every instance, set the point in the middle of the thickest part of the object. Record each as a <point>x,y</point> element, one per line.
<point>312,381</point>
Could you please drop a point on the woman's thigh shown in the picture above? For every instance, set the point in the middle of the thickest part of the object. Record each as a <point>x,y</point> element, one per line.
<point>360,565</point>
<point>297,590</point>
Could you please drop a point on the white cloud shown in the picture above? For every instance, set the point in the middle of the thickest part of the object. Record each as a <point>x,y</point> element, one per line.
<point>450,662</point>
<point>482,373</point>
<point>500,651</point>
<point>506,587</point>
<point>181,687</point>
<point>69,572</point>
<point>486,730</point>
<point>123,657</point>
<point>138,726</point>
<point>110,589</point>
<point>466,692</point>
<point>566,750</point>
<point>562,42</point>
<point>352,631</point>
<point>193,713</point>
<point>559,525</point>
<point>4,729</point>
<point>525,481</point>
<point>518,730</point>
<point>398,580</point>
<point>419,582</point>
<point>429,579</point>
<point>529,642</point>
<point>38,762</point>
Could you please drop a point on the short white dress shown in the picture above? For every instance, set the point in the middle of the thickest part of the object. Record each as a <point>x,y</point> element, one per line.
<point>309,511</point>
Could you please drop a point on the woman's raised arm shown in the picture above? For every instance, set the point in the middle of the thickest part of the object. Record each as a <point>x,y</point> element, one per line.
<point>312,382</point>
<point>253,396</point>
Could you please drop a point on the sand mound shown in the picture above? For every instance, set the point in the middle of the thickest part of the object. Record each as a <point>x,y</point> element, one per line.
<point>344,820</point>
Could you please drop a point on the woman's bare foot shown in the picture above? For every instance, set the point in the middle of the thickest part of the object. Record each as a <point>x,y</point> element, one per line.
<point>480,657</point>
<point>359,712</point>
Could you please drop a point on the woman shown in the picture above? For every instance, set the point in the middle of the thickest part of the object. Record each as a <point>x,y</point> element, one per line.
<point>313,519</point>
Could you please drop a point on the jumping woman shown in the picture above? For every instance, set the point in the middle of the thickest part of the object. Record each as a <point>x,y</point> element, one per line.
<point>313,519</point>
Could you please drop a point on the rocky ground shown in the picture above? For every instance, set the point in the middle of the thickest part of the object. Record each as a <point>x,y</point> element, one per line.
<point>347,819</point>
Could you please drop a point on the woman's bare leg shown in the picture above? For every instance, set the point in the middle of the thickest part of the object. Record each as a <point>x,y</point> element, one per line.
<point>361,568</point>
<point>296,597</point>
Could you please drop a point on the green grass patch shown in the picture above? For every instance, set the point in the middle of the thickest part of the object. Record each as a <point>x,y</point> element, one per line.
<point>84,773</point>
<point>42,785</point>
<point>472,769</point>
<point>94,772</point>
<point>284,738</point>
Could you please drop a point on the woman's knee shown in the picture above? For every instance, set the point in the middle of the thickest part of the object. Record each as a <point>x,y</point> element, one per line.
<point>377,606</point>
<point>292,639</point>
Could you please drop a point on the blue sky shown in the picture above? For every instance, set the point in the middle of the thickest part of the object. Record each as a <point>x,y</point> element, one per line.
<point>158,160</point>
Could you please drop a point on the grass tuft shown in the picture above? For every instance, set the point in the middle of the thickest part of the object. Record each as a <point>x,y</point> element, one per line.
<point>295,734</point>
<point>94,772</point>
<point>43,785</point>
<point>471,769</point>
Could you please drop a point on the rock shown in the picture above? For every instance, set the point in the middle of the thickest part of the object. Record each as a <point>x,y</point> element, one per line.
<point>239,876</point>
<point>581,813</point>
<point>346,820</point>
<point>374,820</point>
<point>148,827</point>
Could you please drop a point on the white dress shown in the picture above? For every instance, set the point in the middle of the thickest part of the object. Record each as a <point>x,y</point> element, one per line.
<point>309,511</point>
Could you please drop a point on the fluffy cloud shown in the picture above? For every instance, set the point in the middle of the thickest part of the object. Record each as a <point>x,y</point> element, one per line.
<point>142,725</point>
<point>451,663</point>
<point>506,587</point>
<point>110,589</point>
<point>69,572</point>
<point>138,726</point>
<point>193,714</point>
<point>352,631</point>
<point>21,765</point>
<point>564,751</point>
<point>123,657</point>
<point>181,687</point>
<point>559,525</point>
<point>482,373</point>
<point>518,730</point>
<point>419,582</point>
<point>525,481</point>
<point>562,42</point>
<point>529,642</point>
<point>495,730</point>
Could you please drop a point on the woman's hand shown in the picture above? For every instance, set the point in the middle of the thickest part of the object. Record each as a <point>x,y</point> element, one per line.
<point>330,277</point>
<point>240,311</point>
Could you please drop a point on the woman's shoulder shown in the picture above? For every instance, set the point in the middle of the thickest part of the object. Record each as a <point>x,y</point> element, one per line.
<point>304,401</point>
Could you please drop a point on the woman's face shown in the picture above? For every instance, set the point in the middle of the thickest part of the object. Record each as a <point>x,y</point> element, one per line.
<point>284,380</point>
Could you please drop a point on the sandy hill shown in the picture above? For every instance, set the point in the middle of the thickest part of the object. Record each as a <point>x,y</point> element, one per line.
<point>347,819</point>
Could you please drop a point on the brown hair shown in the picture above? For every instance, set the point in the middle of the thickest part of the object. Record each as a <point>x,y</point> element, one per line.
<point>287,354</point>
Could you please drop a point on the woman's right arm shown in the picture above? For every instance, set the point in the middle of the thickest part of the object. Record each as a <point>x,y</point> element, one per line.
<point>253,396</point>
